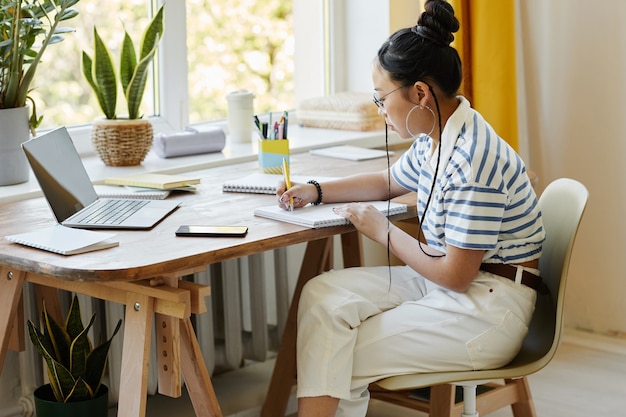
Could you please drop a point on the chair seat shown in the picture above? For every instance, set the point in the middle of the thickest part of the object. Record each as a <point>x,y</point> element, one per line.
<point>446,400</point>
<point>414,381</point>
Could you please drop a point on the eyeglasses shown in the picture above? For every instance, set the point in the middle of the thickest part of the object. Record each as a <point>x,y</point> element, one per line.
<point>379,100</point>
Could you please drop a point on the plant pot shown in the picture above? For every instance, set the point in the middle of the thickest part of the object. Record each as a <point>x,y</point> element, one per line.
<point>47,406</point>
<point>14,168</point>
<point>122,142</point>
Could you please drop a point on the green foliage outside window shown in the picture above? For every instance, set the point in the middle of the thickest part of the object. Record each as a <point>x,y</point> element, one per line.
<point>242,44</point>
<point>232,44</point>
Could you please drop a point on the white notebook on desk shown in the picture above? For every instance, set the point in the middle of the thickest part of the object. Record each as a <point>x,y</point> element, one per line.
<point>121,191</point>
<point>65,240</point>
<point>261,183</point>
<point>322,215</point>
<point>352,153</point>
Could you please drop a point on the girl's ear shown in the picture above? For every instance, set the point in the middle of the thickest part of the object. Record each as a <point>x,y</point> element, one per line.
<point>424,95</point>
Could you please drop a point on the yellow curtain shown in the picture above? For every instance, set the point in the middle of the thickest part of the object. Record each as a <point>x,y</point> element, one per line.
<point>486,43</point>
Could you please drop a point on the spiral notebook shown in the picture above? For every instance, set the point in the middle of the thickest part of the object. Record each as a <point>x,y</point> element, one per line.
<point>65,240</point>
<point>119,191</point>
<point>262,183</point>
<point>322,216</point>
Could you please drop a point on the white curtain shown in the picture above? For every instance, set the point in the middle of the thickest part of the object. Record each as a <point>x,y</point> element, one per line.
<point>573,85</point>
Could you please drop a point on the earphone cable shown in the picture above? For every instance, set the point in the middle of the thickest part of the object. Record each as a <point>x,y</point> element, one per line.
<point>388,203</point>
<point>420,222</point>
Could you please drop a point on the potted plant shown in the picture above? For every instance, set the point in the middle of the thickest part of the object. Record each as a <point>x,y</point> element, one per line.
<point>122,141</point>
<point>27,27</point>
<point>75,367</point>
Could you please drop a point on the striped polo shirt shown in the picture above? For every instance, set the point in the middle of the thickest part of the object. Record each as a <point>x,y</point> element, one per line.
<point>483,198</point>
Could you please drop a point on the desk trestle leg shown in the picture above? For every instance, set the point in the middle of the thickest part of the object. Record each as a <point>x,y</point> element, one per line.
<point>138,328</point>
<point>197,379</point>
<point>10,303</point>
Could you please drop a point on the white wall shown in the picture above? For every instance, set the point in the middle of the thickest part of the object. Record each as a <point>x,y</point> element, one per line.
<point>575,84</point>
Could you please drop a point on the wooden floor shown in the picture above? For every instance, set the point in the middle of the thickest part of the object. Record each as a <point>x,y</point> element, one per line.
<point>584,380</point>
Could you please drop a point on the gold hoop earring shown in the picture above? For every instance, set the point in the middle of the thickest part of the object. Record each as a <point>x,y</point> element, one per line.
<point>420,107</point>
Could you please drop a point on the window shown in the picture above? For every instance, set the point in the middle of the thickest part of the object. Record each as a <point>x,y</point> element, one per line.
<point>209,49</point>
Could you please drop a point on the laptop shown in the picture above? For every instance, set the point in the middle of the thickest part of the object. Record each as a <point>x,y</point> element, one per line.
<point>73,198</point>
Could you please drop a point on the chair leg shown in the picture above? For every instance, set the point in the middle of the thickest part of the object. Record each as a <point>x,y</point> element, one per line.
<point>525,406</point>
<point>469,401</point>
<point>442,400</point>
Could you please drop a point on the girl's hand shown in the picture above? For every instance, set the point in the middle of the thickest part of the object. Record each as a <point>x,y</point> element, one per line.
<point>302,194</point>
<point>367,219</point>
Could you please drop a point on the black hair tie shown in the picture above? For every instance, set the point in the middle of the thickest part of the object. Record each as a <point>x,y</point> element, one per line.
<point>428,33</point>
<point>319,192</point>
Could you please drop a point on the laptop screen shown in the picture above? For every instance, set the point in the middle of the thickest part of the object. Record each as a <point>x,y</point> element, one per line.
<point>60,172</point>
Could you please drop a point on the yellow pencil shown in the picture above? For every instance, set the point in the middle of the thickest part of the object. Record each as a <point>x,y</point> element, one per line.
<point>287,181</point>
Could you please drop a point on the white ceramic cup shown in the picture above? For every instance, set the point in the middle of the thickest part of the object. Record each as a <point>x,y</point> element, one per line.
<point>240,115</point>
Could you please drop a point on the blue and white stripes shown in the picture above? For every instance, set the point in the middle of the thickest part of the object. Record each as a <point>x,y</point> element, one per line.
<point>483,198</point>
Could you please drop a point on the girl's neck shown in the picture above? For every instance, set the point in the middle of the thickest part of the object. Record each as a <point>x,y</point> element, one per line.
<point>446,108</point>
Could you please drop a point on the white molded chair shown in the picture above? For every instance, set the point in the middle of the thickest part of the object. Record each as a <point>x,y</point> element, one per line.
<point>562,204</point>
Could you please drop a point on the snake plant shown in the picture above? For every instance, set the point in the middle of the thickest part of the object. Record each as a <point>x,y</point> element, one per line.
<point>22,24</point>
<point>99,71</point>
<point>75,367</point>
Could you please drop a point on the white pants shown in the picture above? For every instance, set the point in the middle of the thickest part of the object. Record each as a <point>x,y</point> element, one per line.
<point>358,325</point>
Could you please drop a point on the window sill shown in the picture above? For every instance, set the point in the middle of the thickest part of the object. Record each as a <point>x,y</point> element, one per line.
<point>302,140</point>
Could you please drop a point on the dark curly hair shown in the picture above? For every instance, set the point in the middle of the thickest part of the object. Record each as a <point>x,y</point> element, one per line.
<point>423,52</point>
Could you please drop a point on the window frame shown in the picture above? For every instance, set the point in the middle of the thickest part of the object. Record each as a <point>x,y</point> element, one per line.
<point>322,43</point>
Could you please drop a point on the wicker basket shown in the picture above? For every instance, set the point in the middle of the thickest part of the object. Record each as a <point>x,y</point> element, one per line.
<point>122,142</point>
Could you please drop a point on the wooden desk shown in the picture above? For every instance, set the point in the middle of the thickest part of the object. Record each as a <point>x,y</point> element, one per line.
<point>124,275</point>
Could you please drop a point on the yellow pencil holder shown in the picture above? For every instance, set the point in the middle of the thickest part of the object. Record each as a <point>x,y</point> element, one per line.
<point>271,154</point>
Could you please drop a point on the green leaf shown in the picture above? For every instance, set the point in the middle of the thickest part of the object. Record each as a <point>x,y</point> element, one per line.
<point>69,14</point>
<point>57,336</point>
<point>64,29</point>
<point>97,360</point>
<point>128,61</point>
<point>80,392</point>
<point>40,341</point>
<point>73,321</point>
<point>88,73</point>
<point>61,379</point>
<point>152,34</point>
<point>104,76</point>
<point>134,91</point>
<point>79,350</point>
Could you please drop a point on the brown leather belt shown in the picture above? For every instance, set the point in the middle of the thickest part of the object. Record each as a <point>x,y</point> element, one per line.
<point>509,271</point>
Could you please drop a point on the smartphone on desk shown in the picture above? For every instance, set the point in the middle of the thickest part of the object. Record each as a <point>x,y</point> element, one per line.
<point>212,231</point>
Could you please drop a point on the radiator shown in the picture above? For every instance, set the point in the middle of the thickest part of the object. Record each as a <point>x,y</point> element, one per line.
<point>247,310</point>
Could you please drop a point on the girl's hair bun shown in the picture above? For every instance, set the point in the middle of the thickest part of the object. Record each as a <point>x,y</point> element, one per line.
<point>437,23</point>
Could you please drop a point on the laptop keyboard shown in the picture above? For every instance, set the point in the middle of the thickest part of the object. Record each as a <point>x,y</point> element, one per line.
<point>109,211</point>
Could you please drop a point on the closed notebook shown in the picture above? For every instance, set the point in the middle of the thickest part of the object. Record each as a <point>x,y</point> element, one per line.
<point>262,183</point>
<point>322,215</point>
<point>119,191</point>
<point>152,180</point>
<point>65,240</point>
<point>352,153</point>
